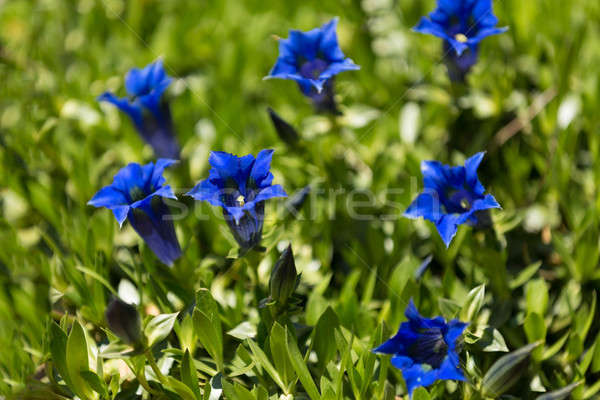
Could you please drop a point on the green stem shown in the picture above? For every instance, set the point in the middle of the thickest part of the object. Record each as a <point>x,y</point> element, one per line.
<point>154,366</point>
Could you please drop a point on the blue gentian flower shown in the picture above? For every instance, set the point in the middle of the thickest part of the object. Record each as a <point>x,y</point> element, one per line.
<point>462,24</point>
<point>451,196</point>
<point>312,59</point>
<point>136,194</point>
<point>426,350</point>
<point>147,109</point>
<point>240,185</point>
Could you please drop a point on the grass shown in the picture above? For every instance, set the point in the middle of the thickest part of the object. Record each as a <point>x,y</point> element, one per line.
<point>531,103</point>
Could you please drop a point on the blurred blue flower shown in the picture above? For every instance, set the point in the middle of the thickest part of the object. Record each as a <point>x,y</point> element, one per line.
<point>425,349</point>
<point>312,59</point>
<point>462,24</point>
<point>240,185</point>
<point>136,194</point>
<point>147,109</point>
<point>451,196</point>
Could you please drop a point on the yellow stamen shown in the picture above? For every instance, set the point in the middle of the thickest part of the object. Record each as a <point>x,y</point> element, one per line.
<point>241,200</point>
<point>461,38</point>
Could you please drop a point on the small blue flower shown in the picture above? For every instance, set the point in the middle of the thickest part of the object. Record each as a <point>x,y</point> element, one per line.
<point>451,196</point>
<point>312,59</point>
<point>240,185</point>
<point>136,194</point>
<point>462,24</point>
<point>147,109</point>
<point>425,349</point>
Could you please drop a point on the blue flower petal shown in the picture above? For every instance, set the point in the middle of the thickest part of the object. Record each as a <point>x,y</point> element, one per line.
<point>416,376</point>
<point>120,213</point>
<point>426,205</point>
<point>329,43</point>
<point>306,44</point>
<point>133,110</point>
<point>450,369</point>
<point>108,197</point>
<point>157,179</point>
<point>471,165</point>
<point>484,204</point>
<point>448,225</point>
<point>455,330</point>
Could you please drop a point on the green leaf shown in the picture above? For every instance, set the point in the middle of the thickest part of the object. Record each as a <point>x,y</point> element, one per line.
<point>279,353</point>
<point>58,350</point>
<point>487,338</point>
<point>525,275</point>
<point>236,391</point>
<point>301,369</point>
<point>210,335</point>
<point>555,348</point>
<point>535,327</point>
<point>180,388</point>
<point>421,393</point>
<point>536,293</point>
<point>448,308</point>
<point>95,382</point>
<point>207,325</point>
<point>261,359</point>
<point>189,375</point>
<point>77,360</point>
<point>114,385</point>
<point>473,304</point>
<point>159,328</point>
<point>323,339</point>
<point>561,393</point>
<point>505,372</point>
<point>245,330</point>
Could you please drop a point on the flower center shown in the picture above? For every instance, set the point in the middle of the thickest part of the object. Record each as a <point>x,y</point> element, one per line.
<point>460,37</point>
<point>460,200</point>
<point>312,69</point>
<point>136,193</point>
<point>429,348</point>
<point>241,200</point>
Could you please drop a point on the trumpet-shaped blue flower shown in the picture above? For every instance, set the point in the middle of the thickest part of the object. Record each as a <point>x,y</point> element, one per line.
<point>451,196</point>
<point>136,194</point>
<point>462,24</point>
<point>312,59</point>
<point>240,185</point>
<point>425,349</point>
<point>146,107</point>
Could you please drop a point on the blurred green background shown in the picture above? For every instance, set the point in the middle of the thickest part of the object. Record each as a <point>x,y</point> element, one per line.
<point>532,102</point>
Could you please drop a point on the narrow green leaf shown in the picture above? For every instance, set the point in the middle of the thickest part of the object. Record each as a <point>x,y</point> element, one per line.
<point>421,393</point>
<point>77,360</point>
<point>279,353</point>
<point>95,382</point>
<point>536,293</point>
<point>301,369</point>
<point>159,328</point>
<point>261,359</point>
<point>473,304</point>
<point>189,375</point>
<point>506,371</point>
<point>323,339</point>
<point>209,334</point>
<point>525,275</point>
<point>561,393</point>
<point>180,388</point>
<point>58,350</point>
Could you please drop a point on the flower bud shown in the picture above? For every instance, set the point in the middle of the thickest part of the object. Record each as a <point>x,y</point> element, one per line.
<point>124,321</point>
<point>284,278</point>
<point>285,131</point>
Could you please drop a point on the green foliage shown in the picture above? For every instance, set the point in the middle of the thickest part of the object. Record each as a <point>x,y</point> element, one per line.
<point>213,325</point>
